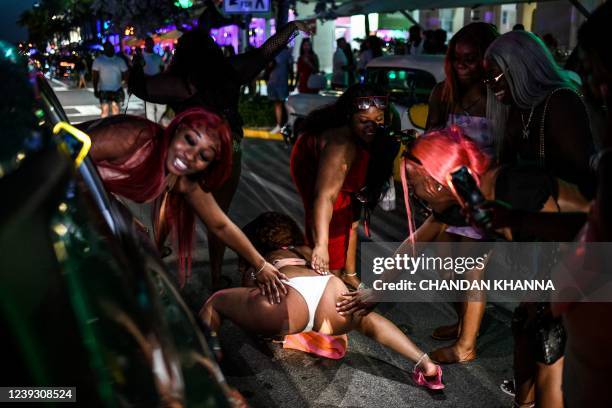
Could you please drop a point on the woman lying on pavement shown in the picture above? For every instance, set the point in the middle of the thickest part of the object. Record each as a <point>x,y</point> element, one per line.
<point>310,304</point>
<point>176,168</point>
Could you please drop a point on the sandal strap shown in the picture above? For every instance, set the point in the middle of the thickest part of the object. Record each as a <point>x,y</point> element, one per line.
<point>420,360</point>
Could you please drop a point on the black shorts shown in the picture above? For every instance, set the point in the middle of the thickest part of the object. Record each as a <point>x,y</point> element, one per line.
<point>112,96</point>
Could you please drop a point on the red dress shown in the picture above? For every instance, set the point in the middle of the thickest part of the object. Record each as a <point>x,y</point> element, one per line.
<point>304,169</point>
<point>305,68</point>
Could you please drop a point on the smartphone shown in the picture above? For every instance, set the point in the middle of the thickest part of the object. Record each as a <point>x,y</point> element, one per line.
<point>470,197</point>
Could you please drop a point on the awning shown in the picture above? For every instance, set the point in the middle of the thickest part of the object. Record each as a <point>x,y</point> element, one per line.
<point>356,7</point>
<point>170,35</point>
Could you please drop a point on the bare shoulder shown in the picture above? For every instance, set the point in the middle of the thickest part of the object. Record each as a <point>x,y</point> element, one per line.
<point>118,135</point>
<point>339,140</point>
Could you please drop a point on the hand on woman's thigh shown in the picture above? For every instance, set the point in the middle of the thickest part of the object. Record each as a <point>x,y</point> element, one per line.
<point>327,319</point>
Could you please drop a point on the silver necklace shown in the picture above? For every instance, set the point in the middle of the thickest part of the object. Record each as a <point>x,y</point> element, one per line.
<point>526,125</point>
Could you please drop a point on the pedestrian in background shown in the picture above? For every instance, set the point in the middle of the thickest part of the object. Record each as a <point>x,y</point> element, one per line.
<point>307,65</point>
<point>109,71</point>
<point>350,65</point>
<point>153,65</point>
<point>167,57</point>
<point>278,84</point>
<point>81,69</point>
<point>415,41</point>
<point>339,66</point>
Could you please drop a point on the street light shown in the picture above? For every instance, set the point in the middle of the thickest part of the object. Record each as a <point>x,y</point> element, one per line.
<point>183,3</point>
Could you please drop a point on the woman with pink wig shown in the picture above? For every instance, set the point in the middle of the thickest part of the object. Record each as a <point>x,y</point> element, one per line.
<point>427,164</point>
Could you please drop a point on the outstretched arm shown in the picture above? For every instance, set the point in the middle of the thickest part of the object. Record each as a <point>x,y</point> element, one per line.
<point>333,167</point>
<point>163,88</point>
<point>206,207</point>
<point>250,64</point>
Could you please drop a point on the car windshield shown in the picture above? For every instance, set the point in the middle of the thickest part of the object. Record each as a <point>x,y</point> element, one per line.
<point>405,86</point>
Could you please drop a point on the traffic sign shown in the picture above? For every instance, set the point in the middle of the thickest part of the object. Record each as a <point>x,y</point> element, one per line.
<point>246,6</point>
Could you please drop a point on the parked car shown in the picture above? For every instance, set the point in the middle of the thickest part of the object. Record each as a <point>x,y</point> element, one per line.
<point>86,301</point>
<point>408,79</point>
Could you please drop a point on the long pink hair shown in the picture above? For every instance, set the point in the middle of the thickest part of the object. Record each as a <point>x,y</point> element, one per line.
<point>440,153</point>
<point>147,181</point>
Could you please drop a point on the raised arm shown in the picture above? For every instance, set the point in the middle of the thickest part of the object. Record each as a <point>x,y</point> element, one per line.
<point>336,159</point>
<point>248,65</point>
<point>163,88</point>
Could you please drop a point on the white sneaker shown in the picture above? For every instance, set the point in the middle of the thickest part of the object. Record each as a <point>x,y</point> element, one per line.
<point>276,129</point>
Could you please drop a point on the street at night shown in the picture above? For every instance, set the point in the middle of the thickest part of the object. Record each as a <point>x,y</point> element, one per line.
<point>311,203</point>
<point>369,375</point>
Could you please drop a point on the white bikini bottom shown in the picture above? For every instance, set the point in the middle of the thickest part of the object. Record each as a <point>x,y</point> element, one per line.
<point>311,288</point>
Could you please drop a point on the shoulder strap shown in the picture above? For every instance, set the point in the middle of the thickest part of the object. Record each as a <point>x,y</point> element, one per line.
<point>541,153</point>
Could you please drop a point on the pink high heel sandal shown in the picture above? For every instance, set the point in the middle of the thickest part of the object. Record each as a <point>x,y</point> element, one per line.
<point>419,377</point>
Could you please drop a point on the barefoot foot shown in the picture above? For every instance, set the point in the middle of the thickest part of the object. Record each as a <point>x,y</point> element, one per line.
<point>453,354</point>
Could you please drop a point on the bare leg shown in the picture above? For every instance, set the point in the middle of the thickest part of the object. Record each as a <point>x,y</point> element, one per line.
<point>548,385</point>
<point>115,108</point>
<point>224,196</point>
<point>388,334</point>
<point>451,331</point>
<point>464,348</point>
<point>278,112</point>
<point>104,108</point>
<point>350,267</point>
<point>524,370</point>
<point>247,308</point>
<point>470,326</point>
<point>373,325</point>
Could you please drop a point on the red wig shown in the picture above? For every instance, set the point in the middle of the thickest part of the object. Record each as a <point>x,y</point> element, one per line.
<point>144,177</point>
<point>439,153</point>
<point>171,212</point>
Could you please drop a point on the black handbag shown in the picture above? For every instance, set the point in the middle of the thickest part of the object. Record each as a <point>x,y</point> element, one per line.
<point>550,335</point>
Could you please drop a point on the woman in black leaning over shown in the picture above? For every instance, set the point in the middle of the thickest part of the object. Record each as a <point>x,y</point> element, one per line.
<point>200,76</point>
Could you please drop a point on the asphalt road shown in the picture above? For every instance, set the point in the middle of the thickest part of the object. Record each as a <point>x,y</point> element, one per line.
<point>369,375</point>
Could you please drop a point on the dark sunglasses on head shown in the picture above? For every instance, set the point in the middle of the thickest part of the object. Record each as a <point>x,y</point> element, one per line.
<point>366,102</point>
<point>493,80</point>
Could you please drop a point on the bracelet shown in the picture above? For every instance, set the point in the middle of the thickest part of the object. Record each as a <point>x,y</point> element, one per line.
<point>261,268</point>
<point>254,274</point>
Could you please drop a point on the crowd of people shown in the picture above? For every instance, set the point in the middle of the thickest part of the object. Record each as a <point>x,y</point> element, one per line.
<point>506,111</point>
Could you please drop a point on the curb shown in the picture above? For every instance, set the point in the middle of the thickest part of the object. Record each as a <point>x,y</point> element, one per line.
<point>261,134</point>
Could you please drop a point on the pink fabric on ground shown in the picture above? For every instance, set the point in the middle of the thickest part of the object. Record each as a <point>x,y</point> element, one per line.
<point>322,345</point>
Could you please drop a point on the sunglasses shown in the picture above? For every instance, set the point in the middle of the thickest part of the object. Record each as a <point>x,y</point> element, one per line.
<point>493,80</point>
<point>366,102</point>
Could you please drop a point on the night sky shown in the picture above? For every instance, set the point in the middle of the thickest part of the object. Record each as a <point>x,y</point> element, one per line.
<point>9,13</point>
